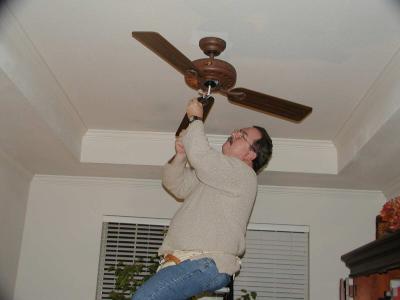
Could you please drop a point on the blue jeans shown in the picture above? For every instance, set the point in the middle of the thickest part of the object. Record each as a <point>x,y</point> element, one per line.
<point>182,281</point>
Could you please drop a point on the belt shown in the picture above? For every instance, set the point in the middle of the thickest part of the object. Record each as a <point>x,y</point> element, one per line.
<point>179,256</point>
<point>167,261</point>
<point>176,258</point>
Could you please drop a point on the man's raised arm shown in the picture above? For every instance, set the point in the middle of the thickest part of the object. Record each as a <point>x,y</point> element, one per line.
<point>177,178</point>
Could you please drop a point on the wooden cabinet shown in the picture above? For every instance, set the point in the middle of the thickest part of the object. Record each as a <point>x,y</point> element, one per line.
<point>373,265</point>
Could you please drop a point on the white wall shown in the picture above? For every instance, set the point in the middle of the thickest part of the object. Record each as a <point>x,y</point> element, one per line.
<point>14,190</point>
<point>61,244</point>
<point>339,221</point>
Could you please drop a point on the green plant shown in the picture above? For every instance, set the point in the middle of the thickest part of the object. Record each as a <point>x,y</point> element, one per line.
<point>128,278</point>
<point>247,295</point>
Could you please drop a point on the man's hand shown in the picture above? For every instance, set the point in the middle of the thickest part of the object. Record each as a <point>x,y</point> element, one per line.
<point>180,154</point>
<point>194,108</point>
<point>179,148</point>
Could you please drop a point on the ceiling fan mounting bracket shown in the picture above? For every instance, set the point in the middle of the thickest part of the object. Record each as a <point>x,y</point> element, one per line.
<point>212,46</point>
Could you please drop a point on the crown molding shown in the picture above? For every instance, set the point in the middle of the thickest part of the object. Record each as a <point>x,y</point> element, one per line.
<point>296,191</point>
<point>392,189</point>
<point>155,148</point>
<point>375,109</point>
<point>90,180</point>
<point>293,192</point>
<point>23,64</point>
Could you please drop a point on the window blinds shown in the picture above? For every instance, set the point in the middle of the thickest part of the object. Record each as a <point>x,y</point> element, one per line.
<point>126,243</point>
<point>275,264</point>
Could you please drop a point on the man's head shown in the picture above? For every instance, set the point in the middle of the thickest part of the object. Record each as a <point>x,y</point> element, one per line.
<point>252,145</point>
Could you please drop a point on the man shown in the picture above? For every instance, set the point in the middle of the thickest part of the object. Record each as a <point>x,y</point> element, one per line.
<point>206,236</point>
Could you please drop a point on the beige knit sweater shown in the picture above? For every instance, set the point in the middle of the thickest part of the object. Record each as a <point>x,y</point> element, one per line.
<point>219,193</point>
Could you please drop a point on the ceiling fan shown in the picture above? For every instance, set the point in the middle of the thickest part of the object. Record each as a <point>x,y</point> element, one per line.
<point>214,75</point>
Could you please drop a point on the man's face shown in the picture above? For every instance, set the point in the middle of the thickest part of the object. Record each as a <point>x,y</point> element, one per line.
<point>239,143</point>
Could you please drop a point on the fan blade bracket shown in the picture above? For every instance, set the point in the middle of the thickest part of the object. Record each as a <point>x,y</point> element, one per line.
<point>236,96</point>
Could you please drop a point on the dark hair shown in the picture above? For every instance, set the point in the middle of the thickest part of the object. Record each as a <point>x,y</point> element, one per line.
<point>263,147</point>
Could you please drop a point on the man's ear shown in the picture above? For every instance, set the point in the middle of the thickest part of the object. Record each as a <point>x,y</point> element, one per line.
<point>251,155</point>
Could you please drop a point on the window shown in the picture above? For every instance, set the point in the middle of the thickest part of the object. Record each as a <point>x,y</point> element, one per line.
<point>275,264</point>
<point>126,240</point>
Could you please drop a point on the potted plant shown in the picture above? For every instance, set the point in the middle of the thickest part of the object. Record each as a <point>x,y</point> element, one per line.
<point>388,220</point>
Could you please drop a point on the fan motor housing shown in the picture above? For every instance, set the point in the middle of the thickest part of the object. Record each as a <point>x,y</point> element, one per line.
<point>219,73</point>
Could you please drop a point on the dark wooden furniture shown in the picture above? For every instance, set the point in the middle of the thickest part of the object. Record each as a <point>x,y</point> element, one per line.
<point>373,265</point>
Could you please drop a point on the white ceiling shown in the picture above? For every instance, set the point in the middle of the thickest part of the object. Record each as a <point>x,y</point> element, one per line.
<point>330,55</point>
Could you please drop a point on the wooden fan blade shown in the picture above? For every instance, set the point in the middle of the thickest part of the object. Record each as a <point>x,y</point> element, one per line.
<point>164,49</point>
<point>207,104</point>
<point>268,104</point>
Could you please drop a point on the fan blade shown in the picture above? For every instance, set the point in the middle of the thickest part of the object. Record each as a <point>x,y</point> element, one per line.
<point>269,104</point>
<point>160,46</point>
<point>207,104</point>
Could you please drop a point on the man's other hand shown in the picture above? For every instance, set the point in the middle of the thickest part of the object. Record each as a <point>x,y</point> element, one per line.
<point>179,148</point>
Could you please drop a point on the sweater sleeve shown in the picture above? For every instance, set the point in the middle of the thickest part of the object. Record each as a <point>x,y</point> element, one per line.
<point>179,179</point>
<point>212,167</point>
